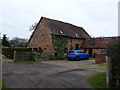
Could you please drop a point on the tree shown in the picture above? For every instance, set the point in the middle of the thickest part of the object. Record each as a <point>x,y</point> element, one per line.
<point>5,41</point>
<point>18,42</point>
<point>33,26</point>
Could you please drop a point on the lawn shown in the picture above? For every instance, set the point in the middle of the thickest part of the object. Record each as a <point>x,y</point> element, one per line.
<point>98,80</point>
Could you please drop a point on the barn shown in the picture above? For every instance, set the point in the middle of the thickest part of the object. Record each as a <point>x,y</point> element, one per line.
<point>41,38</point>
<point>77,38</point>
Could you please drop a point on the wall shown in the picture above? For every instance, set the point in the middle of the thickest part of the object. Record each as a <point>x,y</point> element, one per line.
<point>72,42</point>
<point>100,58</point>
<point>99,50</point>
<point>42,38</point>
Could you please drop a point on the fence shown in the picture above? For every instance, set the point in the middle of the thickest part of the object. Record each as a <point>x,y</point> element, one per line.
<point>28,56</point>
<point>113,73</point>
<point>22,56</point>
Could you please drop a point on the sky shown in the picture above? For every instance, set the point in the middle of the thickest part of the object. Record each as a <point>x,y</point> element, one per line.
<point>98,17</point>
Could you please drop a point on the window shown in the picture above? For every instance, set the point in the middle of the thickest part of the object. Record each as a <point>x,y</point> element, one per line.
<point>61,32</point>
<point>71,47</point>
<point>34,49</point>
<point>71,52</point>
<point>77,46</point>
<point>76,35</point>
<point>79,52</point>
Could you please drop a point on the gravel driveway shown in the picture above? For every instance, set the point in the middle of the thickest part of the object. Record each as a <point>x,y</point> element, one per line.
<point>45,75</point>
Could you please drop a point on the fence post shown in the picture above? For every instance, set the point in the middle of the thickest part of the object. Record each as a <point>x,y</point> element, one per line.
<point>14,56</point>
<point>108,72</point>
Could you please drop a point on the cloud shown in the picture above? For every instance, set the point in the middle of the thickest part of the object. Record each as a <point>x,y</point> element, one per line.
<point>98,17</point>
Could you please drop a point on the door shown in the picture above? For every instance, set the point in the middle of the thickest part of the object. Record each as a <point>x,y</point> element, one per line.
<point>90,52</point>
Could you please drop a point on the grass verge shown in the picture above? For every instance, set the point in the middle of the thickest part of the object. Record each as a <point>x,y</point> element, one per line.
<point>102,64</point>
<point>98,80</point>
<point>4,86</point>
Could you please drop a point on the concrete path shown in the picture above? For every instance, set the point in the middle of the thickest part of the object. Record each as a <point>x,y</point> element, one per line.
<point>44,75</point>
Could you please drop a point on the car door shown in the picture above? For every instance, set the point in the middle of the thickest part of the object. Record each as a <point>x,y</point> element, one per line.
<point>81,54</point>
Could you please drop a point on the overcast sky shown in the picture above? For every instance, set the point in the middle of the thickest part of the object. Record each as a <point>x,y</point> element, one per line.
<point>97,17</point>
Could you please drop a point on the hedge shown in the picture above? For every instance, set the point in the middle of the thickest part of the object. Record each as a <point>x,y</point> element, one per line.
<point>113,51</point>
<point>9,51</point>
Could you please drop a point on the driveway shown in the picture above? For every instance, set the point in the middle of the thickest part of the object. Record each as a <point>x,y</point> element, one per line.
<point>45,75</point>
<point>88,64</point>
<point>67,63</point>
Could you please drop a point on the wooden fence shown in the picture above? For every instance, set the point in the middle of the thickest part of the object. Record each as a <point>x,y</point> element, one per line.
<point>113,73</point>
<point>30,56</point>
<point>22,56</point>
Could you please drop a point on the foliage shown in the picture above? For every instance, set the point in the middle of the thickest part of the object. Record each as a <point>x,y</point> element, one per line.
<point>5,41</point>
<point>59,44</point>
<point>5,87</point>
<point>113,51</point>
<point>18,42</point>
<point>9,51</point>
<point>33,26</point>
<point>98,80</point>
<point>49,56</point>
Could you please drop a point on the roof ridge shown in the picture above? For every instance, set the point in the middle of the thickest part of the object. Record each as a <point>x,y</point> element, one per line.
<point>62,22</point>
<point>56,26</point>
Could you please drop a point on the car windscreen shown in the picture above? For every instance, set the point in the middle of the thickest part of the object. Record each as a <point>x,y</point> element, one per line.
<point>79,52</point>
<point>71,52</point>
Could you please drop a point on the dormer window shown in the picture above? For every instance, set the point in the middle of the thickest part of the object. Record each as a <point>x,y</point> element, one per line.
<point>76,35</point>
<point>61,32</point>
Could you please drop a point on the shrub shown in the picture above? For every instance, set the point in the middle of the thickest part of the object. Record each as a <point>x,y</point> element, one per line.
<point>9,51</point>
<point>113,51</point>
<point>48,56</point>
<point>59,45</point>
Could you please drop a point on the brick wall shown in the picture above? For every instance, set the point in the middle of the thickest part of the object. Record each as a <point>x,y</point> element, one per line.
<point>100,58</point>
<point>99,50</point>
<point>42,38</point>
<point>72,42</point>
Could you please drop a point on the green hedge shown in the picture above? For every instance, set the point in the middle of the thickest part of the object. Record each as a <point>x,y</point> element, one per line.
<point>9,51</point>
<point>113,51</point>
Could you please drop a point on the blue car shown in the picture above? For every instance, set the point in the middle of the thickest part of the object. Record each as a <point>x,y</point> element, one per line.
<point>77,55</point>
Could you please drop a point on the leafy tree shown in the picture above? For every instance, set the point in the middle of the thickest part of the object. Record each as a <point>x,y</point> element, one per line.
<point>5,41</point>
<point>18,42</point>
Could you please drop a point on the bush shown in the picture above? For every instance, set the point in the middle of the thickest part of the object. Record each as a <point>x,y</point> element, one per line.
<point>113,51</point>
<point>9,51</point>
<point>48,56</point>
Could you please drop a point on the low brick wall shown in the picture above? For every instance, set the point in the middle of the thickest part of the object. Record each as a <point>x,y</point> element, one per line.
<point>100,58</point>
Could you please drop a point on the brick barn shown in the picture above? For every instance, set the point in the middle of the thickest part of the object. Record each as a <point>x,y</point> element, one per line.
<point>41,37</point>
<point>78,38</point>
<point>98,45</point>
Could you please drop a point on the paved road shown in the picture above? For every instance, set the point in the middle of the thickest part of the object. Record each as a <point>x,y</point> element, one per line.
<point>74,64</point>
<point>44,75</point>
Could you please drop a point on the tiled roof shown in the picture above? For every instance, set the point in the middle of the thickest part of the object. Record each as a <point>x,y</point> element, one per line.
<point>65,29</point>
<point>100,42</point>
